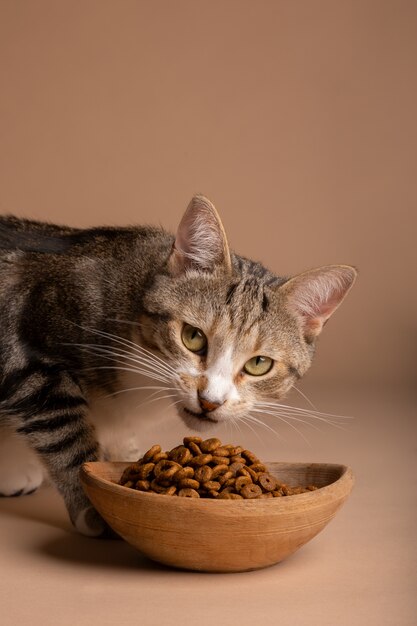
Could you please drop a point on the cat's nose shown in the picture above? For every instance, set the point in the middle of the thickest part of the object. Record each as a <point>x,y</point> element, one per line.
<point>208,405</point>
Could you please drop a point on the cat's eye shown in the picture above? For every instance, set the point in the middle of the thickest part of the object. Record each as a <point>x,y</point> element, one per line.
<point>194,339</point>
<point>258,365</point>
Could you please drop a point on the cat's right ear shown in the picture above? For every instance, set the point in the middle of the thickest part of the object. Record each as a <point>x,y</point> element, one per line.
<point>200,242</point>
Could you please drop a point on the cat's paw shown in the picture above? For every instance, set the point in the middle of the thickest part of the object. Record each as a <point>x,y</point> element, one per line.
<point>20,471</point>
<point>89,523</point>
<point>122,451</point>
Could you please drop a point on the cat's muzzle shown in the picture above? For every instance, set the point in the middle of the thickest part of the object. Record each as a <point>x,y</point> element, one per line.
<point>203,416</point>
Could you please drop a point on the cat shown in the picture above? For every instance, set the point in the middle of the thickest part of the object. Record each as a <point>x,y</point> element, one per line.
<point>86,312</point>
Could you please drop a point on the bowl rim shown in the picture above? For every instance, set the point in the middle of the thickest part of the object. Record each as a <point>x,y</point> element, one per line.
<point>343,484</point>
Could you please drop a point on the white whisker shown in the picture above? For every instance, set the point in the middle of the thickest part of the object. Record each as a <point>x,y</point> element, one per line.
<point>131,344</point>
<point>246,419</point>
<point>173,404</point>
<point>305,397</point>
<point>147,402</point>
<point>298,417</point>
<point>159,389</point>
<point>299,410</point>
<point>288,416</point>
<point>125,369</point>
<point>255,420</point>
<point>98,350</point>
<point>283,419</point>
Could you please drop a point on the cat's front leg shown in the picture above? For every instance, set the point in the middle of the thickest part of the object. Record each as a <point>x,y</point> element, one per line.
<point>48,411</point>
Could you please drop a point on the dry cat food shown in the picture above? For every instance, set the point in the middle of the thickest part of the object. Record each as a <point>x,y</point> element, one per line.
<point>205,469</point>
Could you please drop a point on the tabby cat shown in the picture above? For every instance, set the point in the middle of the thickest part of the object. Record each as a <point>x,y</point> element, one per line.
<point>87,313</point>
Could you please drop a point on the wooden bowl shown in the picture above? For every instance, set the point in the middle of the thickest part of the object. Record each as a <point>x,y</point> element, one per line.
<point>219,535</point>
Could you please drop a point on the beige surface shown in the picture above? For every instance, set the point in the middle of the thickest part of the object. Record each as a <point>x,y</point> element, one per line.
<point>299,120</point>
<point>359,570</point>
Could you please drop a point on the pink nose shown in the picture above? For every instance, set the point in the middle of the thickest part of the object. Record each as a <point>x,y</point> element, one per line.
<point>206,405</point>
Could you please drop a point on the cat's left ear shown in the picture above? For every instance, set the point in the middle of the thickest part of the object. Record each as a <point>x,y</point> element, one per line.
<point>314,296</point>
<point>200,242</point>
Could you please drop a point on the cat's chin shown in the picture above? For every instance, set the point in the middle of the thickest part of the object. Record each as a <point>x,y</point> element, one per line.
<point>196,421</point>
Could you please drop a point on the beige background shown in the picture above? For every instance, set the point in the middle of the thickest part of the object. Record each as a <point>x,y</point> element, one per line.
<point>298,119</point>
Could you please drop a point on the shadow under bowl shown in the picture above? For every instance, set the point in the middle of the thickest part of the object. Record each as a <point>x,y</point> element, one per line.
<point>219,535</point>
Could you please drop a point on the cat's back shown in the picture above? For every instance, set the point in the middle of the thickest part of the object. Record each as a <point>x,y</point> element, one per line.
<point>30,250</point>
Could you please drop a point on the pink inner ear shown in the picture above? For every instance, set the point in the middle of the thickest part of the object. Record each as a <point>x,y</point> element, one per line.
<point>200,241</point>
<point>316,295</point>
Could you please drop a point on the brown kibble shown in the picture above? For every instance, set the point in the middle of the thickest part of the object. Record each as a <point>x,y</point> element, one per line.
<point>235,451</point>
<point>159,457</point>
<point>188,493</point>
<point>203,473</point>
<point>235,467</point>
<point>229,496</point>
<point>251,491</point>
<point>195,449</point>
<point>249,456</point>
<point>228,490</point>
<point>258,467</point>
<point>126,475</point>
<point>168,468</point>
<point>206,469</point>
<point>238,459</point>
<point>267,482</point>
<point>184,472</point>
<point>244,472</point>
<point>225,477</point>
<point>148,456</point>
<point>209,445</point>
<point>164,483</point>
<point>188,440</point>
<point>146,470</point>
<point>167,474</point>
<point>218,470</point>
<point>156,486</point>
<point>211,485</point>
<point>252,474</point>
<point>143,485</point>
<point>222,451</point>
<point>201,459</point>
<point>181,455</point>
<point>221,460</point>
<point>241,481</point>
<point>188,483</point>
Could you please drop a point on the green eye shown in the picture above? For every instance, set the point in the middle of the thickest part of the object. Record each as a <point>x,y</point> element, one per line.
<point>193,338</point>
<point>258,365</point>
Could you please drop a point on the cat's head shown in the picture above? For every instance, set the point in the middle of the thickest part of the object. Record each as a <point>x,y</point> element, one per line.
<point>232,331</point>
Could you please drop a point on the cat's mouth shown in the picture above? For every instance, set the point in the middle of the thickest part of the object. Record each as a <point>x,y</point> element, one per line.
<point>202,415</point>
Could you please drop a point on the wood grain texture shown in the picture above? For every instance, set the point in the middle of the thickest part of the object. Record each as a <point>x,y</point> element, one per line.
<point>219,536</point>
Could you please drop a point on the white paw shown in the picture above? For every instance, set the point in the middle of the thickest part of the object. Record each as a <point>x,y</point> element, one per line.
<point>89,523</point>
<point>122,451</point>
<point>20,471</point>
